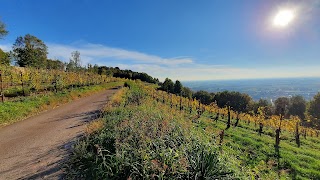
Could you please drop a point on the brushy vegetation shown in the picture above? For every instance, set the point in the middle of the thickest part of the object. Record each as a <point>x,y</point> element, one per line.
<point>13,111</point>
<point>141,138</point>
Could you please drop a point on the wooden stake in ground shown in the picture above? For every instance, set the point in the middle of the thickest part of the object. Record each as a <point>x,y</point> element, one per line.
<point>217,117</point>
<point>278,137</point>
<point>237,121</point>
<point>229,120</point>
<point>297,135</point>
<point>221,134</point>
<point>22,85</point>
<point>180,102</point>
<point>260,128</point>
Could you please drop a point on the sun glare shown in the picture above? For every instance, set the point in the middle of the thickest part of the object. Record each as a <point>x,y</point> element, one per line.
<point>283,18</point>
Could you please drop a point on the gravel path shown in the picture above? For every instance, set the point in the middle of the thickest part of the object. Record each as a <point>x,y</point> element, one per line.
<point>37,147</point>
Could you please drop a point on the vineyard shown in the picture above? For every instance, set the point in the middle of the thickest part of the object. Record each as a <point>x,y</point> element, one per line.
<point>28,91</point>
<point>151,134</point>
<point>275,122</point>
<point>15,81</point>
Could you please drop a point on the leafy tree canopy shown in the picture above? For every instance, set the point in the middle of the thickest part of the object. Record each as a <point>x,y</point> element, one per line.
<point>297,107</point>
<point>314,108</point>
<point>55,64</point>
<point>178,87</point>
<point>30,51</point>
<point>204,97</point>
<point>238,101</point>
<point>168,85</point>
<point>281,106</point>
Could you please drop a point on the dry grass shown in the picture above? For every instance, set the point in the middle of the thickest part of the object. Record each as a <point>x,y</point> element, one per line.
<point>115,100</point>
<point>94,126</point>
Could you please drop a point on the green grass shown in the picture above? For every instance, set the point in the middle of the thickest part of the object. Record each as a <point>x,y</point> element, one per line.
<point>292,162</point>
<point>145,139</point>
<point>13,111</point>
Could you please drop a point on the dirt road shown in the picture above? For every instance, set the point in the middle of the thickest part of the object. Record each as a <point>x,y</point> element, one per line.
<point>36,147</point>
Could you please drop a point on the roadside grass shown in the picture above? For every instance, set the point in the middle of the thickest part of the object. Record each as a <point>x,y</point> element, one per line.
<point>145,139</point>
<point>13,111</point>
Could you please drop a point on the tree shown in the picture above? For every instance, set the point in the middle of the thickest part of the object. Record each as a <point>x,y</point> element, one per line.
<point>281,106</point>
<point>178,87</point>
<point>75,57</point>
<point>4,58</point>
<point>254,106</point>
<point>203,96</point>
<point>167,85</point>
<point>297,107</point>
<point>74,62</point>
<point>30,51</point>
<point>3,31</point>
<point>238,101</point>
<point>55,64</point>
<point>314,108</point>
<point>186,92</point>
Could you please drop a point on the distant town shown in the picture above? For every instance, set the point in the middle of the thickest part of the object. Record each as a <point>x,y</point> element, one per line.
<point>269,89</point>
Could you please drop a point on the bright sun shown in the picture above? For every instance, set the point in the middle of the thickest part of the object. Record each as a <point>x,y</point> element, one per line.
<point>283,18</point>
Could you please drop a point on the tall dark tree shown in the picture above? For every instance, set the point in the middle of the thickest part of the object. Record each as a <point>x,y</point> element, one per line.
<point>281,106</point>
<point>203,96</point>
<point>314,109</point>
<point>178,87</point>
<point>3,31</point>
<point>30,51</point>
<point>168,85</point>
<point>297,106</point>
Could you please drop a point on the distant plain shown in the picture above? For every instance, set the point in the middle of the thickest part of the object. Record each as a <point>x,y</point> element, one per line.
<point>269,89</point>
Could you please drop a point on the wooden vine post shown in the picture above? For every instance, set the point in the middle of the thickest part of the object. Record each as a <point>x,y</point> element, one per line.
<point>260,128</point>
<point>190,110</point>
<point>297,136</point>
<point>217,116</point>
<point>199,111</point>
<point>237,121</point>
<point>278,131</point>
<point>180,102</point>
<point>221,134</point>
<point>22,85</point>
<point>229,120</point>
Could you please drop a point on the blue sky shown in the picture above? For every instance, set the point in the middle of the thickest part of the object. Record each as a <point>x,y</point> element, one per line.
<point>186,40</point>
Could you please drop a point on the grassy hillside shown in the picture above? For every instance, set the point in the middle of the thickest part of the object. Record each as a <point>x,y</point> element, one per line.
<point>140,137</point>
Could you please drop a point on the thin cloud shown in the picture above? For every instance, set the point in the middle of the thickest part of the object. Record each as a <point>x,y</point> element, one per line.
<point>5,47</point>
<point>97,51</point>
<point>213,72</point>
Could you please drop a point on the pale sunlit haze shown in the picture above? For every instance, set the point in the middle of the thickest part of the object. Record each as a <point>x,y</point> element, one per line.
<point>283,18</point>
